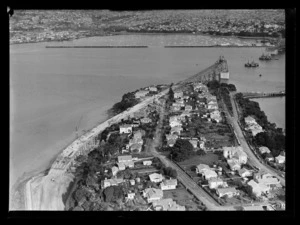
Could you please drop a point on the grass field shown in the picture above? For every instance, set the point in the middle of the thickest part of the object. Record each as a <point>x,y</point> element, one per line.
<point>209,159</point>
<point>184,198</point>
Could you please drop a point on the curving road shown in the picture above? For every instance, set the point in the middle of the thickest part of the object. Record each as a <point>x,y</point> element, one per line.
<point>253,160</point>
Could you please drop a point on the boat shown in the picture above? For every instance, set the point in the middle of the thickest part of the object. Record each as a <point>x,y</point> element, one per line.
<point>252,64</point>
<point>264,57</point>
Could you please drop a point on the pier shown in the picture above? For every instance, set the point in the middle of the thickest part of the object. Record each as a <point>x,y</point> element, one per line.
<point>263,94</point>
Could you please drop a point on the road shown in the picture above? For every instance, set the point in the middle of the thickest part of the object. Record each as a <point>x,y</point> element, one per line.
<point>190,184</point>
<point>252,159</point>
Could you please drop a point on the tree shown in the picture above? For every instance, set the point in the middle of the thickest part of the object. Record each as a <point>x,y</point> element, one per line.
<point>182,150</point>
<point>170,172</point>
<point>108,193</point>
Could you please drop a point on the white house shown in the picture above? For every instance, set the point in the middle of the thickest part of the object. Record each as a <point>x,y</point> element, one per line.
<point>229,191</point>
<point>215,182</point>
<point>194,143</point>
<point>280,159</point>
<point>124,158</point>
<point>258,188</point>
<point>175,123</point>
<point>132,182</point>
<point>168,184</point>
<point>155,177</point>
<point>121,166</point>
<point>114,170</point>
<point>147,163</point>
<point>126,128</point>
<point>146,120</point>
<point>208,174</point>
<point>250,120</point>
<point>264,149</point>
<point>245,173</point>
<point>141,94</point>
<point>153,194</point>
<point>152,89</point>
<point>112,182</point>
<point>234,164</point>
<point>178,94</point>
<point>130,196</point>
<point>235,152</point>
<point>188,108</point>
<point>201,167</point>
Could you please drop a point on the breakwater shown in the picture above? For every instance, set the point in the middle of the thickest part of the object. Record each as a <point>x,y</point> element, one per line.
<point>263,95</point>
<point>167,46</point>
<point>141,46</point>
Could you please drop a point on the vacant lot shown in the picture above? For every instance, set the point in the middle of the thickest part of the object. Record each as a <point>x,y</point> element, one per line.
<point>184,198</point>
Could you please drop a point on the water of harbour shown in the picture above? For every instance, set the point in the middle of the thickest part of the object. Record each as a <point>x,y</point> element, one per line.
<point>54,90</point>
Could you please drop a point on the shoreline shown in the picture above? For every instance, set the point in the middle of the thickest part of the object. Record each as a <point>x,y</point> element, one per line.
<point>150,33</point>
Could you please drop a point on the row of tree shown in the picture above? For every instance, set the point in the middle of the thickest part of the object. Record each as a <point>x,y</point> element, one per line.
<point>273,137</point>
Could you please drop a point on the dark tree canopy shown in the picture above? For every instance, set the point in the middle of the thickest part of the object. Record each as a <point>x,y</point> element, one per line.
<point>182,150</point>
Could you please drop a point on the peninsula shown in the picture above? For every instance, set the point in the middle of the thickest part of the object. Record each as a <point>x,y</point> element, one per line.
<point>182,146</point>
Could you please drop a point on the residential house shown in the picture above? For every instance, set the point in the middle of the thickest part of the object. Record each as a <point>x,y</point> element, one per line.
<point>152,194</point>
<point>124,158</point>
<point>141,94</point>
<point>194,143</point>
<point>215,115</point>
<point>264,149</point>
<point>114,170</point>
<point>176,130</point>
<point>201,167</point>
<point>250,120</point>
<point>267,179</point>
<point>258,188</point>
<point>175,123</point>
<point>215,182</point>
<point>171,137</point>
<point>188,108</point>
<point>121,166</point>
<point>130,196</point>
<point>137,147</point>
<point>176,108</point>
<point>234,164</point>
<point>269,158</point>
<point>229,191</point>
<point>167,204</point>
<point>235,152</point>
<point>152,89</point>
<point>280,159</point>
<point>212,106</point>
<point>132,182</point>
<point>208,174</point>
<point>147,163</point>
<point>202,145</point>
<point>180,102</point>
<point>146,120</point>
<point>244,172</point>
<point>126,128</point>
<point>155,177</point>
<point>111,182</point>
<point>178,94</point>
<point>168,184</point>
<point>255,129</point>
<point>171,142</point>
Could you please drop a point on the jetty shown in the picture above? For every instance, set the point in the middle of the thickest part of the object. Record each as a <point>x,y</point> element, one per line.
<point>218,71</point>
<point>263,94</point>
